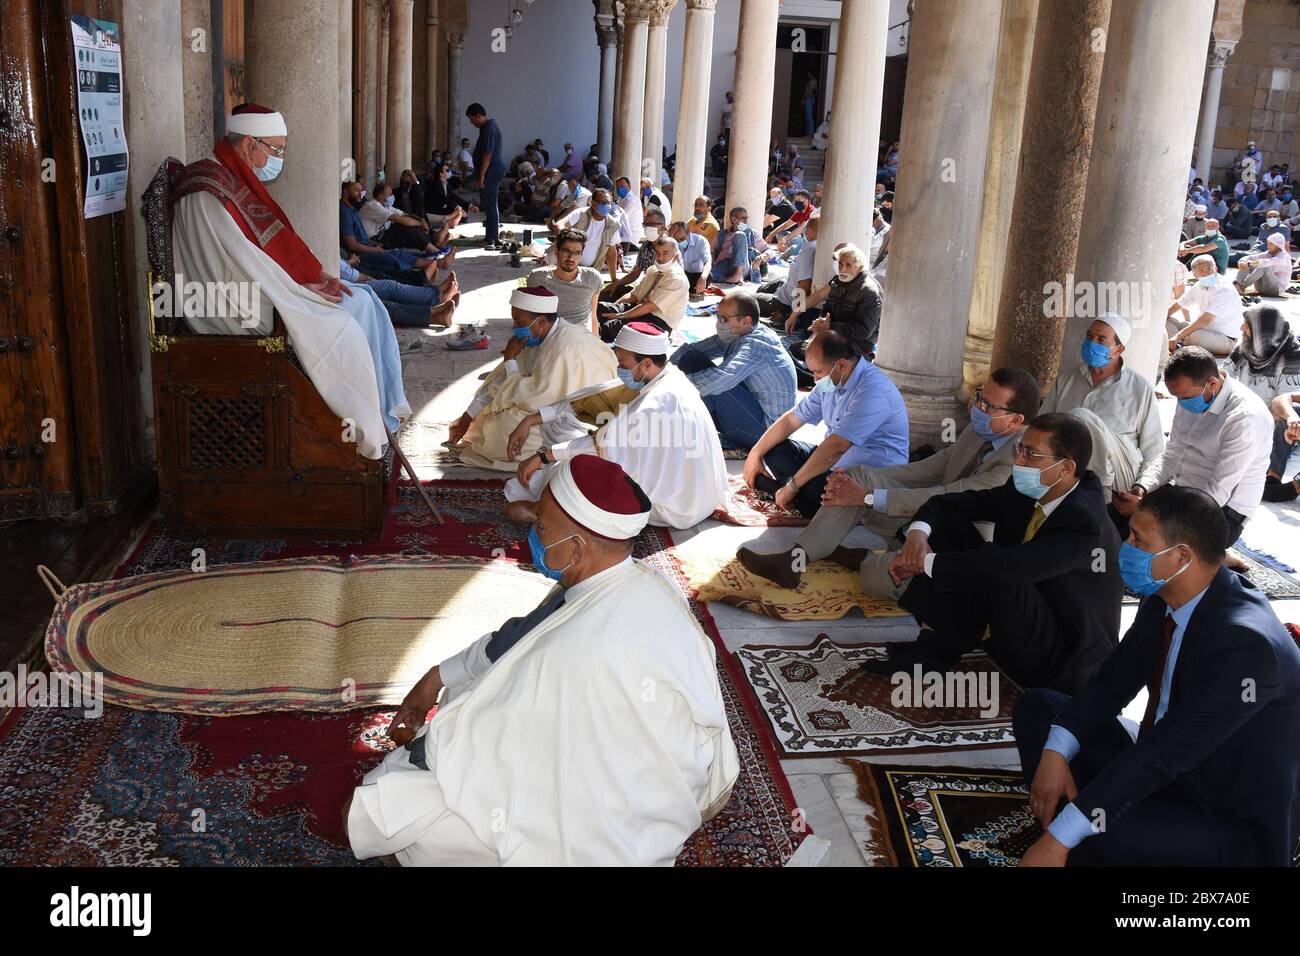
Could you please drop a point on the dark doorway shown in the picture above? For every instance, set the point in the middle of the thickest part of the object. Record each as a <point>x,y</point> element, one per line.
<point>805,49</point>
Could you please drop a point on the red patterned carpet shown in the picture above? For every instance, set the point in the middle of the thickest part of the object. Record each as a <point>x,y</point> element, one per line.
<point>143,788</point>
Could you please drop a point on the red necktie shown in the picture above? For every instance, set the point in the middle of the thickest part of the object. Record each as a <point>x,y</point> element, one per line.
<point>1153,697</point>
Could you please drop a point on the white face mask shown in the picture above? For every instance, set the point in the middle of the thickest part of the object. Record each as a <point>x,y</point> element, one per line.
<point>651,233</point>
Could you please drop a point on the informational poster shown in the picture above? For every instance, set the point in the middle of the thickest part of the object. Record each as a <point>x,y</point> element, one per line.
<point>99,110</point>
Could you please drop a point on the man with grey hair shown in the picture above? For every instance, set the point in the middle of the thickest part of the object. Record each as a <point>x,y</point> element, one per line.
<point>1217,307</point>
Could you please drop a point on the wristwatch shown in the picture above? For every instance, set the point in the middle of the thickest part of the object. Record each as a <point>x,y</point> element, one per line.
<point>545,455</point>
<point>869,499</point>
<point>793,485</point>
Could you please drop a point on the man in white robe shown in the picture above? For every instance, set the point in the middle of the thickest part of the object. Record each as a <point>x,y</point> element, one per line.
<point>590,732</point>
<point>547,362</point>
<point>664,438</point>
<point>227,230</point>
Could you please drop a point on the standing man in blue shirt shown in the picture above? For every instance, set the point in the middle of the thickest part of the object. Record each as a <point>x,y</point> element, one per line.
<point>491,166</point>
<point>1211,779</point>
<point>866,424</point>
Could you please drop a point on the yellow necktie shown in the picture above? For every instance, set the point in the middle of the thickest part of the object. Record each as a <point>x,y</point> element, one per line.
<point>1035,522</point>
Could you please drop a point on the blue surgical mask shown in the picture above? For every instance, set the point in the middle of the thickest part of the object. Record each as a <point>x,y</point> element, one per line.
<point>625,375</point>
<point>647,191</point>
<point>1197,404</point>
<point>1211,233</point>
<point>604,208</point>
<point>623,191</point>
<point>1029,482</point>
<point>982,422</point>
<point>683,244</point>
<point>271,170</point>
<point>1209,281</point>
<point>825,385</point>
<point>526,336</point>
<point>538,552</point>
<point>1095,355</point>
<point>1135,569</point>
<point>389,201</point>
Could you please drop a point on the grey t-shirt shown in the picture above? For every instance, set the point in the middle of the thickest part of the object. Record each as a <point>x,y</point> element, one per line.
<point>575,296</point>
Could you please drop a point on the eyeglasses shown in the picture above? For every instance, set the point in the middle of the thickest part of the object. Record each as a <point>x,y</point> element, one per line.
<point>276,151</point>
<point>1031,455</point>
<point>985,405</point>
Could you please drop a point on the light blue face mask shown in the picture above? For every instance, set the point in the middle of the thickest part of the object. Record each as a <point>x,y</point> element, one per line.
<point>1095,355</point>
<point>625,375</point>
<point>274,164</point>
<point>1197,404</point>
<point>1029,481</point>
<point>982,422</point>
<point>1135,569</point>
<point>825,384</point>
<point>604,208</point>
<point>525,335</point>
<point>538,552</point>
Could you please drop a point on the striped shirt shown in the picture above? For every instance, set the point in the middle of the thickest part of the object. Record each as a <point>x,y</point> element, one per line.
<point>756,360</point>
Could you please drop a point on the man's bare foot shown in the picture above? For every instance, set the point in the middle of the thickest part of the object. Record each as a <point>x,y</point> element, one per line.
<point>850,558</point>
<point>442,314</point>
<point>449,286</point>
<point>777,567</point>
<point>521,512</point>
<point>430,272</point>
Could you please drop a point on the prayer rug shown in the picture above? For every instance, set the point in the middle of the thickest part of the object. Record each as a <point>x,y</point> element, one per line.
<point>302,634</point>
<point>827,591</point>
<point>947,816</point>
<point>748,508</point>
<point>148,788</point>
<point>820,702</point>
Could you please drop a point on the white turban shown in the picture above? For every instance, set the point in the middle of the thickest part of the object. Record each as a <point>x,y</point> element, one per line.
<point>642,338</point>
<point>257,122</point>
<point>535,299</point>
<point>598,495</point>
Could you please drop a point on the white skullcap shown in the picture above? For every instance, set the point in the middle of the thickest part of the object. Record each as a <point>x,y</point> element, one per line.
<point>525,169</point>
<point>1200,208</point>
<point>1123,328</point>
<point>642,338</point>
<point>600,496</point>
<point>253,120</point>
<point>535,299</point>
<point>1278,240</point>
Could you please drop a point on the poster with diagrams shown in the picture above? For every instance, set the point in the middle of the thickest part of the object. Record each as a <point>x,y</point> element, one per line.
<point>98,49</point>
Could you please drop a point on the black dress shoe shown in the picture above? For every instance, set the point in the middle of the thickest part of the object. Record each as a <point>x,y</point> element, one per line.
<point>766,484</point>
<point>1281,491</point>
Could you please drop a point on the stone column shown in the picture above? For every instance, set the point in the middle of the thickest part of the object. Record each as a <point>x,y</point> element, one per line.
<point>751,110</point>
<point>381,108</point>
<point>632,72</point>
<point>347,154</point>
<point>1146,119</point>
<point>1219,54</point>
<point>656,69</point>
<point>693,110</point>
<point>430,82</point>
<point>397,139</point>
<point>196,70</point>
<point>1064,79</point>
<point>1011,83</point>
<point>455,46</point>
<point>370,93</point>
<point>608,42</point>
<point>297,80</point>
<point>615,132</point>
<point>859,86</point>
<point>953,58</point>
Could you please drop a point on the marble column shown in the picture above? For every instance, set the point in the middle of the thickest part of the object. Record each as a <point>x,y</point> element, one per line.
<point>347,154</point>
<point>1146,120</point>
<point>397,139</point>
<point>1219,54</point>
<point>952,52</point>
<point>628,122</point>
<point>615,132</point>
<point>751,112</point>
<point>430,83</point>
<point>656,69</point>
<point>859,88</point>
<point>608,42</point>
<point>1011,83</point>
<point>693,108</point>
<point>304,86</point>
<point>1056,143</point>
<point>369,103</point>
<point>455,47</point>
<point>381,109</point>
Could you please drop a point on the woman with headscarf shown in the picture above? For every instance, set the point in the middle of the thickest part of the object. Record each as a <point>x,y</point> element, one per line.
<point>1267,361</point>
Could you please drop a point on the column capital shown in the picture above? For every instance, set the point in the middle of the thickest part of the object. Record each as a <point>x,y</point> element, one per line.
<point>701,4</point>
<point>634,10</point>
<point>1220,50</point>
<point>456,42</point>
<point>662,10</point>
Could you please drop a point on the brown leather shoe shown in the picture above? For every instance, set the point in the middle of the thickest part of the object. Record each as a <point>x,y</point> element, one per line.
<point>777,567</point>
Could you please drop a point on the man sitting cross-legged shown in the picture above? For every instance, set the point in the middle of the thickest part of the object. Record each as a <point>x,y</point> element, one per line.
<point>863,412</point>
<point>546,749</point>
<point>884,499</point>
<point>1212,778</point>
<point>546,361</point>
<point>657,429</point>
<point>1043,597</point>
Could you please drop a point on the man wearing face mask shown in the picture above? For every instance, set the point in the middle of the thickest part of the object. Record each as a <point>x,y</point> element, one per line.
<point>1116,403</point>
<point>601,222</point>
<point>546,361</point>
<point>629,204</point>
<point>1220,442</point>
<point>1217,307</point>
<point>743,373</point>
<point>659,299</point>
<point>1211,778</point>
<point>663,438</point>
<point>865,418</point>
<point>1043,597</point>
<point>1208,241</point>
<point>652,229</point>
<point>227,228</point>
<point>548,714</point>
<point>883,500</point>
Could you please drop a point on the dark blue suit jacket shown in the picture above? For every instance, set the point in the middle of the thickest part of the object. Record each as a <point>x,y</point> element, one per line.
<point>1230,739</point>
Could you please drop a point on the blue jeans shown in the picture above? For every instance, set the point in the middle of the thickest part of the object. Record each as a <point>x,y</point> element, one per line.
<point>1277,462</point>
<point>487,200</point>
<point>737,415</point>
<point>408,306</point>
<point>734,255</point>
